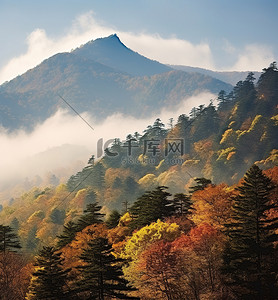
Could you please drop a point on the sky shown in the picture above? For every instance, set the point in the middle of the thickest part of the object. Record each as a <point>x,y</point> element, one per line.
<point>214,34</point>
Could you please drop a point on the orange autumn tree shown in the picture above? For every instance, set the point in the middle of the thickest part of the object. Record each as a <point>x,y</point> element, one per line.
<point>139,242</point>
<point>212,205</point>
<point>71,252</point>
<point>157,269</point>
<point>186,268</point>
<point>273,175</point>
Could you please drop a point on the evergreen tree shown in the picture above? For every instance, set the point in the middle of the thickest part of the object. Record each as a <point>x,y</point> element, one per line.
<point>130,186</point>
<point>57,216</point>
<point>32,241</point>
<point>184,128</point>
<point>67,235</point>
<point>15,224</point>
<point>202,183</point>
<point>90,197</point>
<point>49,279</point>
<point>101,276</point>
<point>117,183</point>
<point>91,160</point>
<point>206,122</point>
<point>245,97</point>
<point>268,91</point>
<point>182,204</point>
<point>97,179</point>
<point>8,239</point>
<point>91,216</point>
<point>113,219</point>
<point>74,181</point>
<point>150,207</point>
<point>250,254</point>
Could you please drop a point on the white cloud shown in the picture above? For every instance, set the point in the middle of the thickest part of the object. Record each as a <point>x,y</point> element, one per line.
<point>20,152</point>
<point>253,58</point>
<point>40,46</point>
<point>228,47</point>
<point>171,50</point>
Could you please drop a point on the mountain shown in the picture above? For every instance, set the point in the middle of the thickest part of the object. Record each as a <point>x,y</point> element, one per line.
<point>112,52</point>
<point>101,78</point>
<point>230,77</point>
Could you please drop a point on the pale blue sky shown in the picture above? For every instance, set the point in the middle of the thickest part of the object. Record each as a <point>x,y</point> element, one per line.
<point>225,34</point>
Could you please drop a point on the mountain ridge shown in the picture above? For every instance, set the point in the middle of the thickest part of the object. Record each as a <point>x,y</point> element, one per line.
<point>111,51</point>
<point>231,77</point>
<point>97,88</point>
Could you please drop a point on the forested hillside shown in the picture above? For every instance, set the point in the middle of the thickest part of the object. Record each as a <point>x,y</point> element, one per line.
<point>179,211</point>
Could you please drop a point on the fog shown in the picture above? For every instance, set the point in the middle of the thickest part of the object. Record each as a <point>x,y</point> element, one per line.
<point>63,143</point>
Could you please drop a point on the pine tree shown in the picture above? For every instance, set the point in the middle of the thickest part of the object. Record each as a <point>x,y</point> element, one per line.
<point>150,207</point>
<point>245,97</point>
<point>32,241</point>
<point>57,216</point>
<point>48,281</point>
<point>90,197</point>
<point>268,91</point>
<point>91,216</point>
<point>250,254</point>
<point>113,219</point>
<point>101,276</point>
<point>202,183</point>
<point>182,204</point>
<point>8,239</point>
<point>67,235</point>
<point>15,224</point>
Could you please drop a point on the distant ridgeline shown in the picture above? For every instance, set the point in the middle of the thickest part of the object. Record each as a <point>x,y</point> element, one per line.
<point>101,77</point>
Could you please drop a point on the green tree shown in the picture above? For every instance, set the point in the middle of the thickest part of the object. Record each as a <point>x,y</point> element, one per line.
<point>268,91</point>
<point>90,197</point>
<point>117,183</point>
<point>182,204</point>
<point>130,186</point>
<point>57,216</point>
<point>8,239</point>
<point>183,126</point>
<point>15,224</point>
<point>113,219</point>
<point>206,122</point>
<point>32,241</point>
<point>49,279</point>
<point>67,235</point>
<point>91,160</point>
<point>201,184</point>
<point>150,207</point>
<point>101,276</point>
<point>250,254</point>
<point>245,97</point>
<point>97,178</point>
<point>91,216</point>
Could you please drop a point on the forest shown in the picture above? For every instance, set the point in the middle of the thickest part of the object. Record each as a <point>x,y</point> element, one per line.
<point>187,210</point>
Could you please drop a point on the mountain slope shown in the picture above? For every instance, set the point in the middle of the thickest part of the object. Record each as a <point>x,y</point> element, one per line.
<point>112,52</point>
<point>230,77</point>
<point>96,88</point>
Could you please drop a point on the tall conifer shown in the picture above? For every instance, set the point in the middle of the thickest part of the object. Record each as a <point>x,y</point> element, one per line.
<point>249,259</point>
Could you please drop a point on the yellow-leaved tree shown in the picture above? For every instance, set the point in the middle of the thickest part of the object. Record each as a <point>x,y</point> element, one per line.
<point>139,242</point>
